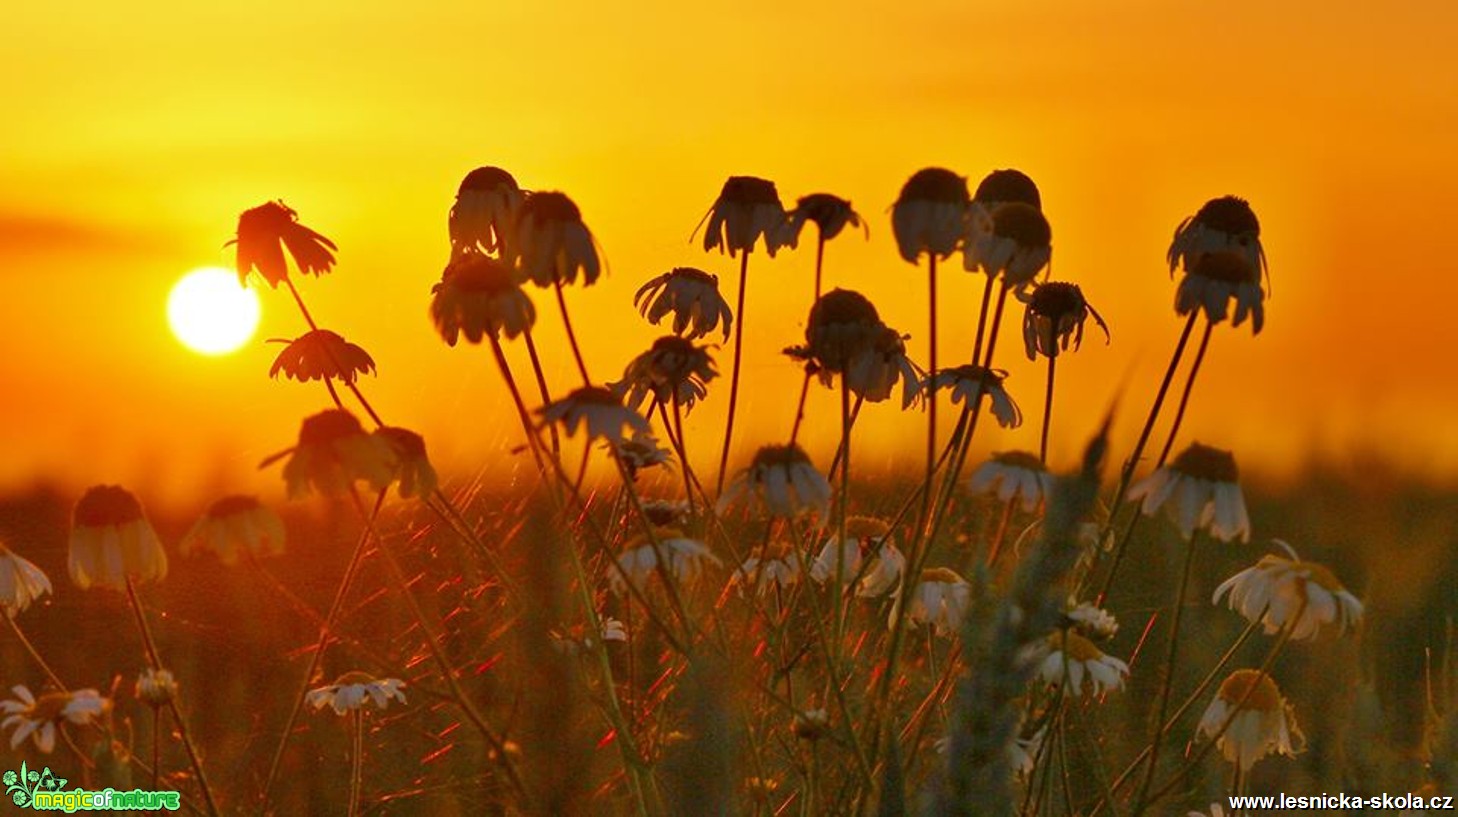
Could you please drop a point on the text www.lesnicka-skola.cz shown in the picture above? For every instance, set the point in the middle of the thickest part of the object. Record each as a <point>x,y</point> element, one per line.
<point>1331,801</point>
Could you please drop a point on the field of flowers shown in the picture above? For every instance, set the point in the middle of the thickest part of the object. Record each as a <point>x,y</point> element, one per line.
<point>1143,635</point>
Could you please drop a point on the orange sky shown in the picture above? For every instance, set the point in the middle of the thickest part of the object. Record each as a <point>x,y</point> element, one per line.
<point>135,134</point>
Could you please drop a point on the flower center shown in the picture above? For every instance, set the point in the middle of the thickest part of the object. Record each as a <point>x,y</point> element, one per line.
<point>749,190</point>
<point>1023,223</point>
<point>107,505</point>
<point>698,276</point>
<point>780,456</point>
<point>407,444</point>
<point>594,395</point>
<point>230,505</point>
<point>1056,299</point>
<point>48,707</point>
<point>841,306</point>
<point>328,427</point>
<point>865,527</point>
<point>941,575</point>
<point>550,206</point>
<point>1227,266</point>
<point>478,273</point>
<point>271,217</point>
<point>1210,464</point>
<point>1230,215</point>
<point>354,677</point>
<point>936,184</point>
<point>824,209</point>
<point>1019,459</point>
<point>1263,694</point>
<point>1002,186</point>
<point>488,179</point>
<point>1075,646</point>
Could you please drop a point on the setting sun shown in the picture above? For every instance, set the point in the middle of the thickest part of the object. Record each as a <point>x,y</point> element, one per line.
<point>210,313</point>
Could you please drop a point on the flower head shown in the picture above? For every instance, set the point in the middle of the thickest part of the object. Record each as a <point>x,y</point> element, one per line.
<point>673,371</point>
<point>874,373</point>
<point>478,296</point>
<point>929,215</point>
<point>21,582</point>
<point>552,244</point>
<point>1090,621</point>
<point>782,479</point>
<point>1012,240</point>
<point>599,409</point>
<point>882,576</point>
<point>1281,592</point>
<point>640,452</point>
<point>156,687</point>
<point>829,213</point>
<point>416,476</point>
<point>333,453</point>
<point>863,535</point>
<point>234,525</point>
<point>747,209</point>
<point>1014,475</point>
<point>264,232</point>
<point>843,326</point>
<point>772,565</point>
<point>969,383</point>
<point>485,208</point>
<point>1005,186</point>
<point>112,541</point>
<point>692,296</point>
<point>352,690</point>
<point>1216,279</point>
<point>664,513</point>
<point>1226,224</point>
<point>1262,722</point>
<point>322,355</point>
<point>1200,491</point>
<point>1054,318</point>
<point>940,599</point>
<point>39,717</point>
<point>1066,654</point>
<point>684,558</point>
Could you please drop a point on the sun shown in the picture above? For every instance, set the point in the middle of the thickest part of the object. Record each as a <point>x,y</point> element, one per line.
<point>210,312</point>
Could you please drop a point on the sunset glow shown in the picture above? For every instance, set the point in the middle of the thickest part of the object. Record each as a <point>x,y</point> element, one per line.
<point>210,313</point>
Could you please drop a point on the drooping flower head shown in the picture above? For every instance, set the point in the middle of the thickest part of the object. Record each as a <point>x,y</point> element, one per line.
<point>692,296</point>
<point>1089,621</point>
<point>1216,279</point>
<point>642,451</point>
<point>864,536</point>
<point>774,565</point>
<point>478,296</point>
<point>685,559</point>
<point>747,209</point>
<point>21,582</point>
<point>599,410</point>
<point>112,541</point>
<point>333,453</point>
<point>1263,723</point>
<point>322,355</point>
<point>414,473</point>
<point>1013,240</point>
<point>1226,224</point>
<point>827,212</point>
<point>874,373</point>
<point>673,369</point>
<point>930,214</point>
<point>236,525</point>
<point>882,576</point>
<point>352,690</point>
<point>552,244</point>
<point>782,480</point>
<point>969,383</point>
<point>1200,490</point>
<point>1279,592</point>
<point>41,717</point>
<point>1067,655</point>
<point>485,209</point>
<point>843,325</point>
<point>263,234</point>
<point>1006,186</point>
<point>940,599</point>
<point>1054,318</point>
<point>1014,475</point>
<point>156,687</point>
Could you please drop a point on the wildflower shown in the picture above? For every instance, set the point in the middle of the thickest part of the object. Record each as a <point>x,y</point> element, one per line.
<point>843,326</point>
<point>553,246</point>
<point>38,718</point>
<point>1216,279</point>
<point>812,724</point>
<point>416,476</point>
<point>1005,186</point>
<point>234,525</point>
<point>1055,316</point>
<point>775,564</point>
<point>598,409</point>
<point>1092,622</point>
<point>640,452</point>
<point>333,453</point>
<point>1226,224</point>
<point>1068,654</point>
<point>1014,475</point>
<point>747,208</point>
<point>929,214</point>
<point>485,207</point>
<point>883,575</point>
<point>352,690</point>
<point>1012,240</point>
<point>692,296</point>
<point>112,541</point>
<point>322,355</point>
<point>969,382</point>
<point>1278,591</point>
<point>1263,723</point>
<point>872,374</point>
<point>940,599</point>
<point>685,559</point>
<point>478,296</point>
<point>782,479</point>
<point>663,513</point>
<point>264,232</point>
<point>1200,491</point>
<point>156,688</point>
<point>862,534</point>
<point>21,582</point>
<point>673,371</point>
<point>829,213</point>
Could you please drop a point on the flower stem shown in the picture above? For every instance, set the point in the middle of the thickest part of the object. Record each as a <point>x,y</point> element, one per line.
<point>1179,417</point>
<point>1047,410</point>
<point>571,333</point>
<point>734,376</point>
<point>541,377</point>
<point>923,518</point>
<point>521,409</point>
<point>356,760</point>
<point>30,648</point>
<point>838,628</point>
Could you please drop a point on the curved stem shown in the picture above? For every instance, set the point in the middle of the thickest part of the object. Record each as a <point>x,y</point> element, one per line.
<point>571,333</point>
<point>683,462</point>
<point>734,376</point>
<point>546,395</point>
<point>1047,410</point>
<point>30,648</point>
<point>1179,417</point>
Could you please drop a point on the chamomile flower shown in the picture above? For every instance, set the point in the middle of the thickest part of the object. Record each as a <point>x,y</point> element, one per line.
<point>782,479</point>
<point>929,215</point>
<point>332,454</point>
<point>882,576</point>
<point>263,234</point>
<point>322,355</point>
<point>843,326</point>
<point>1261,721</point>
<point>479,296</point>
<point>666,513</point>
<point>1215,280</point>
<point>1280,592</point>
<point>1226,224</point>
<point>673,370</point>
<point>414,474</point>
<point>112,541</point>
<point>1005,186</point>
<point>1054,318</point>
<point>1200,491</point>
<point>1014,475</point>
<point>156,687</point>
<point>863,534</point>
<point>641,451</point>
<point>353,690</point>
<point>773,565</point>
<point>598,410</point>
<point>553,245</point>
<point>1090,621</point>
<point>1068,655</point>
<point>829,213</point>
<point>41,717</point>
<point>21,582</point>
<point>1012,240</point>
<point>691,296</point>
<point>873,374</point>
<point>685,558</point>
<point>940,599</point>
<point>485,208</point>
<point>747,210</point>
<point>969,383</point>
<point>236,525</point>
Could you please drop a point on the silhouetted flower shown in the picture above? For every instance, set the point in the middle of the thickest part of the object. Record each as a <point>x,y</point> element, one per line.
<point>21,582</point>
<point>872,374</point>
<point>111,541</point>
<point>1054,317</point>
<point>1217,278</point>
<point>1278,591</point>
<point>264,232</point>
<point>829,213</point>
<point>414,473</point>
<point>332,454</point>
<point>747,209</point>
<point>478,296</point>
<point>1007,186</point>
<point>1226,224</point>
<point>843,325</point>
<point>640,452</point>
<point>967,381</point>
<point>782,479</point>
<point>692,296</point>
<point>1263,722</point>
<point>156,688</point>
<point>599,409</point>
<point>1014,475</point>
<point>1012,240</point>
<point>686,560</point>
<point>40,717</point>
<point>552,244</point>
<point>1200,490</point>
<point>485,209</point>
<point>930,214</point>
<point>321,355</point>
<point>672,369</point>
<point>353,690</point>
<point>234,525</point>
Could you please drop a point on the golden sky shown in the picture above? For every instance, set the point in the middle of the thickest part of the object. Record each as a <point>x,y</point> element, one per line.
<point>134,134</point>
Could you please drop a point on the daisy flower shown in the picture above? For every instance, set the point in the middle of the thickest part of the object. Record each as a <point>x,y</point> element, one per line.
<point>1013,475</point>
<point>692,296</point>
<point>263,234</point>
<point>883,575</point>
<point>156,688</point>
<point>21,582</point>
<point>1005,186</point>
<point>861,533</point>
<point>322,355</point>
<point>478,296</point>
<point>772,565</point>
<point>940,599</point>
<point>747,209</point>
<point>1054,318</point>
<point>782,479</point>
<point>1218,278</point>
<point>829,213</point>
<point>1012,240</point>
<point>874,373</point>
<point>967,382</point>
<point>685,558</point>
<point>333,453</point>
<point>1262,725</point>
<point>112,541</point>
<point>352,690</point>
<point>234,525</point>
<point>599,410</point>
<point>1092,622</point>
<point>640,452</point>
<point>843,326</point>
<point>1199,489</point>
<point>1226,224</point>
<point>39,718</point>
<point>552,244</point>
<point>1277,589</point>
<point>1068,654</point>
<point>415,474</point>
<point>485,207</point>
<point>929,215</point>
<point>672,370</point>
<point>664,513</point>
